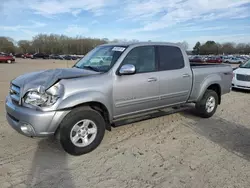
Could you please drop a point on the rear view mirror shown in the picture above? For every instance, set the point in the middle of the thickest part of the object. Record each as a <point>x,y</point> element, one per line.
<point>127,69</point>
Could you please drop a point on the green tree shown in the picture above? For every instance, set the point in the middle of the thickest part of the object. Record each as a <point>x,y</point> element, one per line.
<point>196,48</point>
<point>25,46</point>
<point>7,45</point>
<point>210,47</point>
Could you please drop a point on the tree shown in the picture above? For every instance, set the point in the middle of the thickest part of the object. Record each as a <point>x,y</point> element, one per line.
<point>25,46</point>
<point>7,45</point>
<point>184,45</point>
<point>196,49</point>
<point>210,47</point>
<point>228,48</point>
<point>241,48</point>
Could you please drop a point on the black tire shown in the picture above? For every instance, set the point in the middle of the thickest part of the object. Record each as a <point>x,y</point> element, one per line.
<point>71,119</point>
<point>201,105</point>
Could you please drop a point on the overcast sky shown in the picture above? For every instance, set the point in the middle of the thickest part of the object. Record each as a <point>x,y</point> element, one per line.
<point>156,20</point>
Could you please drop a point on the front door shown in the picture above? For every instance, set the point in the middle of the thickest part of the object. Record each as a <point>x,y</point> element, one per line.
<point>140,91</point>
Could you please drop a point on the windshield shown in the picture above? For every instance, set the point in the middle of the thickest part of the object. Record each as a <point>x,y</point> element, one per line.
<point>245,65</point>
<point>101,58</point>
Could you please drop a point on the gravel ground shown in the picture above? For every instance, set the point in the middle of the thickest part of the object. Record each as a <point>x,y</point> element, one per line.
<point>173,151</point>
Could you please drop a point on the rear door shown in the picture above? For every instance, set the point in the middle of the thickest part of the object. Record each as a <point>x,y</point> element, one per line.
<point>175,76</point>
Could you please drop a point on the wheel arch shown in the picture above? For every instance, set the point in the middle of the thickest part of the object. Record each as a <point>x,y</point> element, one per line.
<point>217,89</point>
<point>96,100</point>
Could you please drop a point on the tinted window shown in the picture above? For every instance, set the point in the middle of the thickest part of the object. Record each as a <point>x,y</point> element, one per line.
<point>143,58</point>
<point>170,58</point>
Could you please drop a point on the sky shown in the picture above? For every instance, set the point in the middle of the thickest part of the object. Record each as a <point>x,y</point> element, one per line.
<point>155,20</point>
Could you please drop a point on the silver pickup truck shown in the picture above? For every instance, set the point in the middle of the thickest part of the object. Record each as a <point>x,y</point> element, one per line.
<point>111,82</point>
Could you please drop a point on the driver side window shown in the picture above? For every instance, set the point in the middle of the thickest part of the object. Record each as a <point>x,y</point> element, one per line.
<point>143,58</point>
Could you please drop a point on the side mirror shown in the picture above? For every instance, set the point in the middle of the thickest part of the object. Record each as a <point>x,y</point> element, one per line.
<point>127,69</point>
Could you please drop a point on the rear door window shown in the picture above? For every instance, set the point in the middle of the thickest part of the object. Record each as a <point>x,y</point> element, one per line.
<point>170,58</point>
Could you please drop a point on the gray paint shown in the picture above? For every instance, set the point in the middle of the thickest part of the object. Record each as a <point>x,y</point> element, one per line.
<point>47,78</point>
<point>121,95</point>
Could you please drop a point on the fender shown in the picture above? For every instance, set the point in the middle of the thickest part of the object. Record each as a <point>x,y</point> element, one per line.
<point>208,81</point>
<point>85,97</point>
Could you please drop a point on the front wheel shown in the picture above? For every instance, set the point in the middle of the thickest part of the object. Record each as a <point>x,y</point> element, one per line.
<point>82,130</point>
<point>207,106</point>
<point>9,61</point>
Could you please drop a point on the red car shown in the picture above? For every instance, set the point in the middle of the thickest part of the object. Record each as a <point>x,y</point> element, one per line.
<point>27,56</point>
<point>214,60</point>
<point>6,58</point>
<point>196,59</point>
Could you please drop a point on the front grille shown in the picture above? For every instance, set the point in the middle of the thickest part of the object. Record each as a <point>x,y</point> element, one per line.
<point>243,77</point>
<point>15,93</point>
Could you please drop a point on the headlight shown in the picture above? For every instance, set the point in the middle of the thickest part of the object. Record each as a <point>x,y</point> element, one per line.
<point>46,98</point>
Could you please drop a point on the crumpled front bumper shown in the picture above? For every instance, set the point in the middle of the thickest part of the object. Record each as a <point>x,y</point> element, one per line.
<point>31,122</point>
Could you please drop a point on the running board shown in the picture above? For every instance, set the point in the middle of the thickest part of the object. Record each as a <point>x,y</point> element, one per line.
<point>150,115</point>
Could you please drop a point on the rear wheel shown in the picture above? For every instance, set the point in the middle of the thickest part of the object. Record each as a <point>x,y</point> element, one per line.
<point>207,106</point>
<point>82,130</point>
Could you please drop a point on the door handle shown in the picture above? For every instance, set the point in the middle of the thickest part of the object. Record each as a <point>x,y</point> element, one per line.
<point>152,79</point>
<point>185,75</point>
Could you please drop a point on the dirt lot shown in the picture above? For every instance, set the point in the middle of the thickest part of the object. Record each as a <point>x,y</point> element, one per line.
<point>178,150</point>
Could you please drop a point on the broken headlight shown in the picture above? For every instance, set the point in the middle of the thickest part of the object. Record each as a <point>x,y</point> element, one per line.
<point>43,99</point>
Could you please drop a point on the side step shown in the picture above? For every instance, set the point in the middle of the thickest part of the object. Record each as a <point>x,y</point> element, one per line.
<point>150,115</point>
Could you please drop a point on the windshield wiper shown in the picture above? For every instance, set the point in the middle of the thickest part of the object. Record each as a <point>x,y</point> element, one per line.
<point>91,68</point>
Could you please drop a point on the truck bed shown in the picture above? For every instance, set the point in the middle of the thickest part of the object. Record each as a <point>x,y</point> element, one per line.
<point>209,72</point>
<point>206,64</point>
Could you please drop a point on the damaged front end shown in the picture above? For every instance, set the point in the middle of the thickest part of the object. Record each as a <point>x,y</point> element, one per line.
<point>42,98</point>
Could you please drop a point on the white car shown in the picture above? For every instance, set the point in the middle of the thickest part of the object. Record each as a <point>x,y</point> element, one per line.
<point>234,60</point>
<point>241,78</point>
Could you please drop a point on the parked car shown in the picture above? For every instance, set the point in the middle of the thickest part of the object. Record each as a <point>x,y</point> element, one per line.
<point>75,57</point>
<point>54,56</point>
<point>197,59</point>
<point>241,77</point>
<point>234,60</point>
<point>76,104</point>
<point>6,58</point>
<point>214,60</point>
<point>27,56</point>
<point>19,55</point>
<point>40,56</point>
<point>69,57</point>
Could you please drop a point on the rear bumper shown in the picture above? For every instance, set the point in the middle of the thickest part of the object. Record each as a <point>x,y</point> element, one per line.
<point>30,122</point>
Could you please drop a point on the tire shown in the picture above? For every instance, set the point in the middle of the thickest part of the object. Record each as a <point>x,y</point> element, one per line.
<point>201,106</point>
<point>9,61</point>
<point>71,120</point>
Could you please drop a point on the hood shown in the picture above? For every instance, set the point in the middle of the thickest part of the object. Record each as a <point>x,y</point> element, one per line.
<point>45,79</point>
<point>242,71</point>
